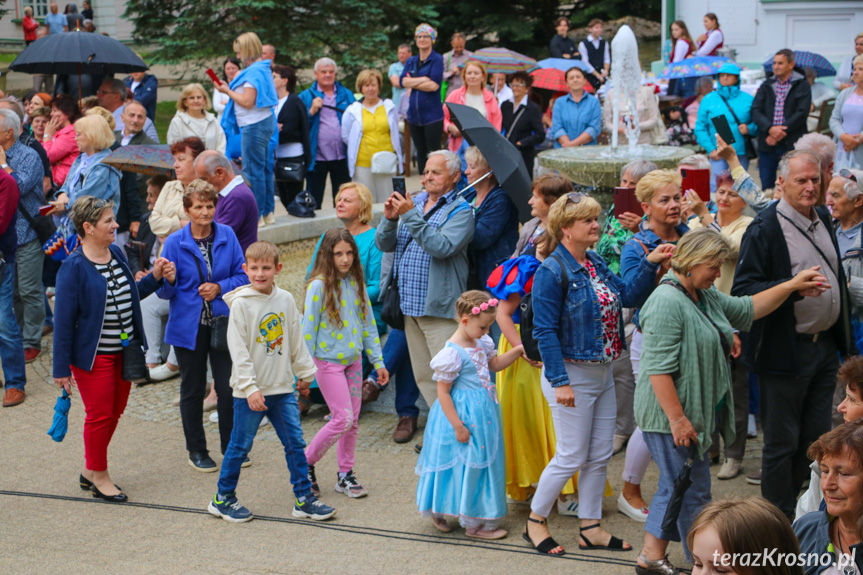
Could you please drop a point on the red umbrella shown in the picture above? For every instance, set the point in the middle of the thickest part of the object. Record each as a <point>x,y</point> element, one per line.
<point>554,80</point>
<point>549,79</point>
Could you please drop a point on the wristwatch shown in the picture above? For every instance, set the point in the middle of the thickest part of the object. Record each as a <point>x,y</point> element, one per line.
<point>4,166</point>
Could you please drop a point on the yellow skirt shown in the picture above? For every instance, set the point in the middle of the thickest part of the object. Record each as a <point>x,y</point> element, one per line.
<point>528,429</point>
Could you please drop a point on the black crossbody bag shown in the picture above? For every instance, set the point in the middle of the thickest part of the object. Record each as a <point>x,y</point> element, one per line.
<point>751,151</point>
<point>218,324</point>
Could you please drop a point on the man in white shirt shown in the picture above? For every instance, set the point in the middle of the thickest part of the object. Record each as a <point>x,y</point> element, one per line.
<point>594,52</point>
<point>112,96</point>
<point>395,72</point>
<point>500,88</point>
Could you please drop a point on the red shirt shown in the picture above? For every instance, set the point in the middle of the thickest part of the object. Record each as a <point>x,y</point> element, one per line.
<point>30,26</point>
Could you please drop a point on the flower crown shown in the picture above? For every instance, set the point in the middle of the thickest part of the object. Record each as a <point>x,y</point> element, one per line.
<point>478,309</point>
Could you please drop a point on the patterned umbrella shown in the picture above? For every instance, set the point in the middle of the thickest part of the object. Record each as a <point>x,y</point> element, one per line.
<point>149,160</point>
<point>804,59</point>
<point>549,79</point>
<point>562,64</point>
<point>692,67</point>
<point>502,60</point>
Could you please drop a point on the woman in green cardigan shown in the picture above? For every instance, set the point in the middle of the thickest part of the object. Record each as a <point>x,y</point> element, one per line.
<point>688,328</point>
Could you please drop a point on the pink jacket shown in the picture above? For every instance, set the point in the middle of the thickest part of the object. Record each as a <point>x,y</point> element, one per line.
<point>62,151</point>
<point>492,109</point>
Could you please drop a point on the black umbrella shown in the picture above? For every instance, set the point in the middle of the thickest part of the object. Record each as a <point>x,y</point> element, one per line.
<point>502,156</point>
<point>77,53</point>
<point>681,484</point>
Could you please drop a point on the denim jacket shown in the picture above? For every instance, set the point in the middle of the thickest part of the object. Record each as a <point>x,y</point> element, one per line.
<point>632,256</point>
<point>573,329</point>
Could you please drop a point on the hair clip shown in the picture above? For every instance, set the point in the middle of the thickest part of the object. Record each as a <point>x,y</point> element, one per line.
<point>484,306</point>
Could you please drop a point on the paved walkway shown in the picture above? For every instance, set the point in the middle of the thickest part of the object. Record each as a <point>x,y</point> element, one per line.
<point>48,525</point>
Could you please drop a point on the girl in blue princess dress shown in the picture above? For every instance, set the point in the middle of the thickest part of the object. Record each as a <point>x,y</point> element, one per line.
<point>462,465</point>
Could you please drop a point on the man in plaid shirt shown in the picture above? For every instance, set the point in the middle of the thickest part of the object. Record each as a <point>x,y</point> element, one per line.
<point>780,109</point>
<point>429,234</point>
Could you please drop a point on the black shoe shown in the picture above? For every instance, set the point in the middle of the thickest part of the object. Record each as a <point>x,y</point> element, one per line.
<point>119,498</point>
<point>87,485</point>
<point>201,461</point>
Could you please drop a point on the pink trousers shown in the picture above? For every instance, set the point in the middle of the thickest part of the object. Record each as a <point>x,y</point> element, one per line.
<point>342,388</point>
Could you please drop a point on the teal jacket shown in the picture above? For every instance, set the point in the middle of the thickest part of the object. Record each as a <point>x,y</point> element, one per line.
<point>712,106</point>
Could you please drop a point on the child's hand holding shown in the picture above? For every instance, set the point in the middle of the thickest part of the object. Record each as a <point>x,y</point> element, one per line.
<point>256,402</point>
<point>383,376</point>
<point>462,434</point>
<point>303,387</point>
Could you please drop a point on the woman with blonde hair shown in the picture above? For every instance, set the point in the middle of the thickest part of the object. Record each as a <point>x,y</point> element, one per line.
<point>726,531</point>
<point>193,118</point>
<point>474,94</point>
<point>579,328</point>
<point>846,122</point>
<point>104,113</point>
<point>370,128</point>
<point>88,176</point>
<point>251,113</point>
<point>684,376</point>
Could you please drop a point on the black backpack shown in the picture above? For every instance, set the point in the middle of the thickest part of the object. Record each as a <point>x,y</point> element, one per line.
<point>531,347</point>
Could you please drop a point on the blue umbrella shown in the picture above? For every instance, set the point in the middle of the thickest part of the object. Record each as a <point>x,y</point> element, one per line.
<point>804,59</point>
<point>562,64</point>
<point>693,67</point>
<point>61,417</point>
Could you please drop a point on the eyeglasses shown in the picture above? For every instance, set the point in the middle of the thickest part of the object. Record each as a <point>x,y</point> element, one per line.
<point>575,197</point>
<point>97,207</point>
<point>848,175</point>
<point>518,85</point>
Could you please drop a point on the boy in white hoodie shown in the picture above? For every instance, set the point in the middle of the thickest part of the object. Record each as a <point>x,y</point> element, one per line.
<point>265,338</point>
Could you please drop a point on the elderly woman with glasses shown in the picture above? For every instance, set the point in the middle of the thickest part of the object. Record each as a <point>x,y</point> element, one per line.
<point>97,313</point>
<point>684,376</point>
<point>579,328</point>
<point>423,74</point>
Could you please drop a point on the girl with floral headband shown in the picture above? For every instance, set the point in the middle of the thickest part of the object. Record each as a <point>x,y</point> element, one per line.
<point>462,465</point>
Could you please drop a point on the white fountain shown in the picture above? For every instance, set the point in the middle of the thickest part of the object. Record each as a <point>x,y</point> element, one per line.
<point>599,166</point>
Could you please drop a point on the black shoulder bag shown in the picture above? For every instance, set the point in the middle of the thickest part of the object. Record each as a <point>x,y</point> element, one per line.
<point>218,324</point>
<point>531,346</point>
<point>42,225</point>
<point>751,151</point>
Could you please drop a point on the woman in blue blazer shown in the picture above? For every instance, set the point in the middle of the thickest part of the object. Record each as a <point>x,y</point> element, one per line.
<point>97,304</point>
<point>209,263</point>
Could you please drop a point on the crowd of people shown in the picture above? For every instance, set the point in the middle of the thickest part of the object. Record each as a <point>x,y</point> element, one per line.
<point>541,350</point>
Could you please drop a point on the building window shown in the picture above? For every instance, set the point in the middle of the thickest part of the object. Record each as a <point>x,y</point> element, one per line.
<point>40,7</point>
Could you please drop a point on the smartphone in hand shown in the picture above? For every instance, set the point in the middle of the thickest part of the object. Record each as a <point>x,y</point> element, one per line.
<point>399,186</point>
<point>625,201</point>
<point>698,180</point>
<point>43,210</point>
<point>213,77</point>
<point>723,128</point>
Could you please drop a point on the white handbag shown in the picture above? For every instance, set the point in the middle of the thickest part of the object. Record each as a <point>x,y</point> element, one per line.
<point>385,163</point>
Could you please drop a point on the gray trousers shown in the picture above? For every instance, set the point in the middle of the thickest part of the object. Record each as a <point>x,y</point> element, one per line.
<point>29,293</point>
<point>740,391</point>
<point>154,313</point>
<point>624,391</point>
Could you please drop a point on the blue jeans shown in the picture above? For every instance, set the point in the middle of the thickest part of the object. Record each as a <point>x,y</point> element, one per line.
<point>670,459</point>
<point>719,166</point>
<point>11,341</point>
<point>258,160</point>
<point>768,162</point>
<point>49,313</point>
<point>398,363</point>
<point>284,415</point>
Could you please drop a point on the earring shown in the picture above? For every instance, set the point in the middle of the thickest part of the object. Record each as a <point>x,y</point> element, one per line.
<point>689,274</point>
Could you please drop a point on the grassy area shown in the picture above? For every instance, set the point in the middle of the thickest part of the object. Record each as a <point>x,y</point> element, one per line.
<point>8,58</point>
<point>164,113</point>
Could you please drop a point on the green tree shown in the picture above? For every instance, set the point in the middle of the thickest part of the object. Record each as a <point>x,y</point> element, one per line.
<point>355,33</point>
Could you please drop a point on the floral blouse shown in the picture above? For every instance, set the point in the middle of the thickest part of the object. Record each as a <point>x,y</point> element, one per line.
<point>612,240</point>
<point>609,306</point>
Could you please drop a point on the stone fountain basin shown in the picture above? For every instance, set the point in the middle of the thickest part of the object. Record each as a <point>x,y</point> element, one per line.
<point>599,166</point>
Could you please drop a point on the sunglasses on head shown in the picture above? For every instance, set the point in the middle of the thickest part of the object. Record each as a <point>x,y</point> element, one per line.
<point>848,175</point>
<point>575,197</point>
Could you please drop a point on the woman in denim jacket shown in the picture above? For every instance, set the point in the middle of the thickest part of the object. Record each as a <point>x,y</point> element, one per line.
<point>579,328</point>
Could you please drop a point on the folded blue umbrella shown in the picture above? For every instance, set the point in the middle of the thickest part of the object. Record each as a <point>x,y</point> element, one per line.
<point>61,417</point>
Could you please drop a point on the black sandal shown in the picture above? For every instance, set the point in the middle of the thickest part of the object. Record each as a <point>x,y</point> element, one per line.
<point>546,545</point>
<point>614,544</point>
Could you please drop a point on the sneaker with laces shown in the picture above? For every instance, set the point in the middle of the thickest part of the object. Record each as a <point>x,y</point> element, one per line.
<point>754,478</point>
<point>316,489</point>
<point>569,506</point>
<point>350,486</point>
<point>311,508</point>
<point>228,508</point>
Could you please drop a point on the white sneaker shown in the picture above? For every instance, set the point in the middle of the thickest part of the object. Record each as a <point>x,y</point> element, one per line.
<point>270,219</point>
<point>619,443</point>
<point>634,513</point>
<point>751,429</point>
<point>730,469</point>
<point>162,373</point>
<point>264,421</point>
<point>214,417</point>
<point>261,222</point>
<point>569,506</point>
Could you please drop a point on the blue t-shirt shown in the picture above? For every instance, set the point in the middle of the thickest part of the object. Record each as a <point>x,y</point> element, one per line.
<point>55,23</point>
<point>396,70</point>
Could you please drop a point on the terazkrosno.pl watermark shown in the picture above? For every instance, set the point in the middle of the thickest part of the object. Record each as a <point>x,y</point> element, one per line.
<point>771,557</point>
